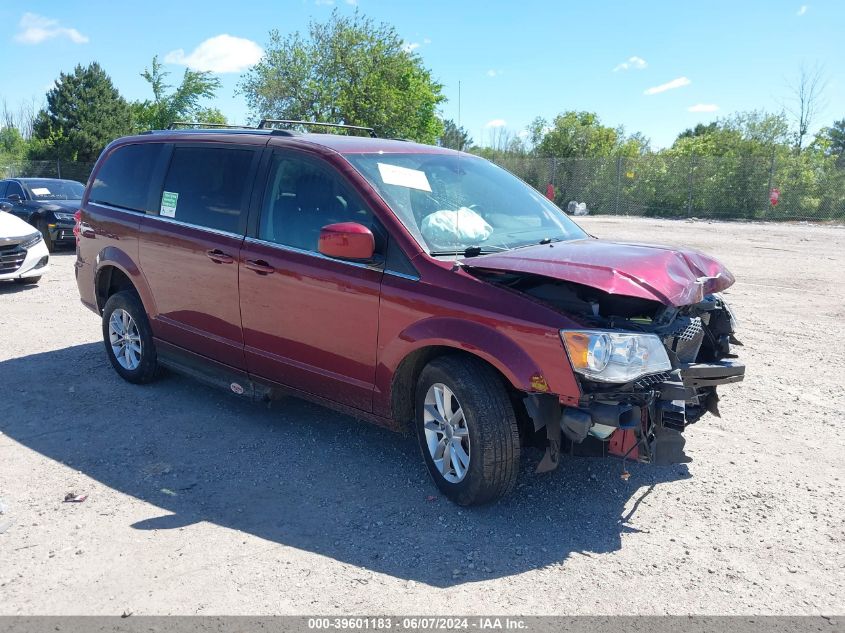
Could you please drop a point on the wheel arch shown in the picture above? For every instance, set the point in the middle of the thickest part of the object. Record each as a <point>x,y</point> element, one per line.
<point>116,272</point>
<point>403,385</point>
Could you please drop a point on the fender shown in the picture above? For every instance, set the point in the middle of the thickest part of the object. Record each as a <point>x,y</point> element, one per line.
<point>490,344</point>
<point>478,339</point>
<point>111,256</point>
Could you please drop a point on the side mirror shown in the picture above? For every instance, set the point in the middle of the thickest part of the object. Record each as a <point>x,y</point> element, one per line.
<point>347,240</point>
<point>14,197</point>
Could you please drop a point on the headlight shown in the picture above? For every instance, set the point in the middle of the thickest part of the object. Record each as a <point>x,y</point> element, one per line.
<point>67,217</point>
<point>31,241</point>
<point>618,357</point>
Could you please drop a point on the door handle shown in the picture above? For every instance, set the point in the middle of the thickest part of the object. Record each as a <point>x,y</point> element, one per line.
<point>259,266</point>
<point>219,257</point>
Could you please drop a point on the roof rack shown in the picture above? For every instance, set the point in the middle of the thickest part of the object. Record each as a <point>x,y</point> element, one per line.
<point>269,123</point>
<point>194,124</point>
<point>199,127</point>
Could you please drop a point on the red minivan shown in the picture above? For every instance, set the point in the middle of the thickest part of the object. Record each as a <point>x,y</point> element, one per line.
<point>409,285</point>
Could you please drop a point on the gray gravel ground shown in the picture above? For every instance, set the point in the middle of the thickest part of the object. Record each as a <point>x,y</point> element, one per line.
<point>199,502</point>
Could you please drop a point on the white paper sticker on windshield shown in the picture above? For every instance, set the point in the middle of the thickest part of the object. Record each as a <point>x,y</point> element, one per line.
<point>403,177</point>
<point>40,191</point>
<point>168,204</point>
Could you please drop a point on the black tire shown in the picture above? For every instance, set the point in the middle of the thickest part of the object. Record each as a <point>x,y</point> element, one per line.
<point>147,369</point>
<point>27,281</point>
<point>490,422</point>
<point>45,233</point>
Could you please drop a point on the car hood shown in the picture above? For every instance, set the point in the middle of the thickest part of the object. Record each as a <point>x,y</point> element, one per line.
<point>12,227</point>
<point>672,276</point>
<point>64,206</point>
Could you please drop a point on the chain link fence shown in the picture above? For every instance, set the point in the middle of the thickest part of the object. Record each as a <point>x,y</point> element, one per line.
<point>68,170</point>
<point>729,187</point>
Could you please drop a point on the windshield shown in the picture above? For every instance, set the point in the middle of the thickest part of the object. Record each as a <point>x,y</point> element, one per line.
<point>55,189</point>
<point>459,203</point>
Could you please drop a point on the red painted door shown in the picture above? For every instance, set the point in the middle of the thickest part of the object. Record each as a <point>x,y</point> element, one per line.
<point>189,251</point>
<point>309,321</point>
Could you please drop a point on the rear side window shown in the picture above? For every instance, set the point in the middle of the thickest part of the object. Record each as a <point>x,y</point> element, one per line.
<point>209,187</point>
<point>3,185</point>
<point>126,178</point>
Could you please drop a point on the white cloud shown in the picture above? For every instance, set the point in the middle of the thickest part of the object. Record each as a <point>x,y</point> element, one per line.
<point>35,29</point>
<point>635,63</point>
<point>352,2</point>
<point>492,73</point>
<point>324,2</point>
<point>703,107</point>
<point>496,123</point>
<point>219,54</point>
<point>802,10</point>
<point>410,47</point>
<point>426,41</point>
<point>669,85</point>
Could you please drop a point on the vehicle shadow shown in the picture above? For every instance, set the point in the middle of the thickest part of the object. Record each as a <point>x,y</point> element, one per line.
<point>9,287</point>
<point>303,476</point>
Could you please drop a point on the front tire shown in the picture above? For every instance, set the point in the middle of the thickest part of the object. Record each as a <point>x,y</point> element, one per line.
<point>45,233</point>
<point>129,339</point>
<point>467,430</point>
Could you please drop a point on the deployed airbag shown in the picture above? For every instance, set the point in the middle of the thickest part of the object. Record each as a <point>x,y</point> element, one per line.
<point>448,229</point>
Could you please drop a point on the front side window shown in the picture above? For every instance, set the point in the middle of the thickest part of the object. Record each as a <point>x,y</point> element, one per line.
<point>124,180</point>
<point>208,187</point>
<point>302,196</point>
<point>453,203</point>
<point>55,189</point>
<point>15,189</point>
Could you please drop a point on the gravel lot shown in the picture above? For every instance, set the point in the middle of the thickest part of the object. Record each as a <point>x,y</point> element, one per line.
<point>199,502</point>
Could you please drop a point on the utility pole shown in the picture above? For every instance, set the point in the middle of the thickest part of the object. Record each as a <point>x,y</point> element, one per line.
<point>459,103</point>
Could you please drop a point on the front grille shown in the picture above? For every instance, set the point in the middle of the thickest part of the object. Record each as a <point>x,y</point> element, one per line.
<point>685,338</point>
<point>11,258</point>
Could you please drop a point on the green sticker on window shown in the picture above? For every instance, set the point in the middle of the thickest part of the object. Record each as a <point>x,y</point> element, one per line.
<point>168,204</point>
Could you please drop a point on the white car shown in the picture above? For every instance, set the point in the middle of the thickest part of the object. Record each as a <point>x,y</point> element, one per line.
<point>23,254</point>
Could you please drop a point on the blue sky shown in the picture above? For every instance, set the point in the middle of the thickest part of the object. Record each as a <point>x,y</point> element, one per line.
<point>644,65</point>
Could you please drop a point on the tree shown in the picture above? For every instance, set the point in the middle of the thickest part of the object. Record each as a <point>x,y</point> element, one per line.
<point>12,144</point>
<point>84,113</point>
<point>699,130</point>
<point>454,137</point>
<point>182,104</point>
<point>834,141</point>
<point>347,70</point>
<point>581,135</point>
<point>808,99</point>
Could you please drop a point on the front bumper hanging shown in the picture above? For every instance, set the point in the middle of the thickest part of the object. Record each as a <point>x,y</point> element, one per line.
<point>641,422</point>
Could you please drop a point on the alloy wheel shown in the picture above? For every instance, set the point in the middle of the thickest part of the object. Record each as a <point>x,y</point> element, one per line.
<point>446,433</point>
<point>125,340</point>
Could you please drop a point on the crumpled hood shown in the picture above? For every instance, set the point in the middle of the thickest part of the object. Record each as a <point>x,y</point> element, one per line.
<point>672,276</point>
<point>13,227</point>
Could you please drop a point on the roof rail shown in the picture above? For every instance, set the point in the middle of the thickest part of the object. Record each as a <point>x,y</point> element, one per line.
<point>192,124</point>
<point>269,123</point>
<point>195,126</point>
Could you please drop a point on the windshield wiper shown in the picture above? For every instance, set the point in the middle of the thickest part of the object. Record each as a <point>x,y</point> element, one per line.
<point>470,251</point>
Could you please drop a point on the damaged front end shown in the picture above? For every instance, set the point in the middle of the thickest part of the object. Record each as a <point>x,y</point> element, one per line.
<point>646,370</point>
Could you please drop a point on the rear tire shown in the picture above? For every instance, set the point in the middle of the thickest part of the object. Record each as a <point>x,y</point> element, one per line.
<point>129,339</point>
<point>479,452</point>
<point>27,281</point>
